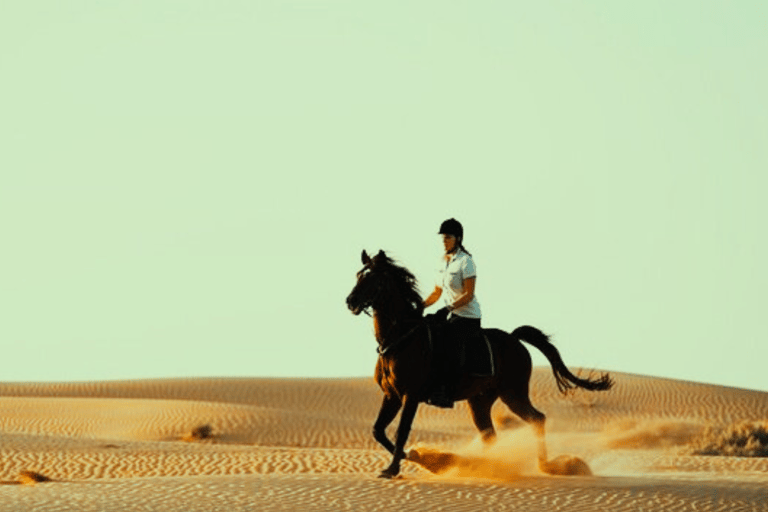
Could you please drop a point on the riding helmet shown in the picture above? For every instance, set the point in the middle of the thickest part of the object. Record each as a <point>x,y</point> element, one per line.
<point>451,227</point>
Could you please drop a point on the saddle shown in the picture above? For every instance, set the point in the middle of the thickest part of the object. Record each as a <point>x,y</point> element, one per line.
<point>476,356</point>
<point>452,358</point>
<point>472,355</point>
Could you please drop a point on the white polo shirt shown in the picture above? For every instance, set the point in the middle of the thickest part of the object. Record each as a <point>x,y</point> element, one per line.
<point>451,279</point>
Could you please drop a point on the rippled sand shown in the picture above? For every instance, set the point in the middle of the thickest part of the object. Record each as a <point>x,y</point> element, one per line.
<point>296,444</point>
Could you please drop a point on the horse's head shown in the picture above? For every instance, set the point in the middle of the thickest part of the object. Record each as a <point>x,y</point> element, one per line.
<point>369,284</point>
<point>383,284</point>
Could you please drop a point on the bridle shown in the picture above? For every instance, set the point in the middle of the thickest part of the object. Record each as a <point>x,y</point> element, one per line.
<point>373,298</point>
<point>368,304</point>
<point>400,341</point>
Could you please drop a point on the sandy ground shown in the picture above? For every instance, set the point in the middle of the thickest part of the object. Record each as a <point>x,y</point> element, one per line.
<point>296,444</point>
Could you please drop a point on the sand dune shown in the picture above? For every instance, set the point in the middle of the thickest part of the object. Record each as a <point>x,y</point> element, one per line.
<point>305,444</point>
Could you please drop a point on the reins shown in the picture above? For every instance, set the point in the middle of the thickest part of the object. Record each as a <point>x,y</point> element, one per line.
<point>382,351</point>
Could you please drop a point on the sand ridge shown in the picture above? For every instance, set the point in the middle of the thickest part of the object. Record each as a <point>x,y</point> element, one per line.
<point>306,444</point>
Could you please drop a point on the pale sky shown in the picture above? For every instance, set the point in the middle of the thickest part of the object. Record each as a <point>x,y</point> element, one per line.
<point>187,185</point>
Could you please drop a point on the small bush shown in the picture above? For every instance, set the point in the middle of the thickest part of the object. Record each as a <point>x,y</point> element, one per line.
<point>203,432</point>
<point>745,439</point>
<point>32,478</point>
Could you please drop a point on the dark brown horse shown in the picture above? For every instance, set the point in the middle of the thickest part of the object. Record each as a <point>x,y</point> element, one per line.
<point>403,367</point>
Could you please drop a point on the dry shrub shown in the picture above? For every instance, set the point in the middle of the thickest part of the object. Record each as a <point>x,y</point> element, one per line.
<point>203,432</point>
<point>745,439</point>
<point>31,478</point>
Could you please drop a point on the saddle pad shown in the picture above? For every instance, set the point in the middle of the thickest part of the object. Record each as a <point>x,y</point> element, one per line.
<point>478,356</point>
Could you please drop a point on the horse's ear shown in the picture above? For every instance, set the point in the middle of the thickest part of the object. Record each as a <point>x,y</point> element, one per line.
<point>381,254</point>
<point>366,259</point>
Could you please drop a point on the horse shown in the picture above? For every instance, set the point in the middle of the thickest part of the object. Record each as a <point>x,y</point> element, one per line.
<point>402,370</point>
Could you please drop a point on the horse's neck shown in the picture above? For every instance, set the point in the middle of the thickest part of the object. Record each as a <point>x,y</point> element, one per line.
<point>388,325</point>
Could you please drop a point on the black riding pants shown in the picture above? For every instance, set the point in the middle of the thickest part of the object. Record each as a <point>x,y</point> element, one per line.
<point>461,328</point>
<point>456,330</point>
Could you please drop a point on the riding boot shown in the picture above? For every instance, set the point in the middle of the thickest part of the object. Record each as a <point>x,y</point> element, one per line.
<point>443,395</point>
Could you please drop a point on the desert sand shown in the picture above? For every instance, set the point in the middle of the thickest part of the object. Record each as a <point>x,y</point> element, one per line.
<point>306,444</point>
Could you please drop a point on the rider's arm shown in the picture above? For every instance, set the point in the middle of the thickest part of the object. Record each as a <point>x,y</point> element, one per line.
<point>434,296</point>
<point>466,297</point>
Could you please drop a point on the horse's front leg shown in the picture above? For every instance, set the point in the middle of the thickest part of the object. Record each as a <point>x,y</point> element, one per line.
<point>403,429</point>
<point>389,409</point>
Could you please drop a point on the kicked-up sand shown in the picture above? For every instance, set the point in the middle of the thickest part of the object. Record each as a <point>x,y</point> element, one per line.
<point>306,444</point>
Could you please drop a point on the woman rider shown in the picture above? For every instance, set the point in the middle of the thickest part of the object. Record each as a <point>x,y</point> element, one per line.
<point>456,284</point>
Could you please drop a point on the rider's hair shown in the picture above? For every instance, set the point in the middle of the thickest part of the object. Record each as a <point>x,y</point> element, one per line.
<point>461,246</point>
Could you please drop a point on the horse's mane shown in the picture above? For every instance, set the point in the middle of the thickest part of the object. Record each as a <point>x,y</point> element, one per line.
<point>403,282</point>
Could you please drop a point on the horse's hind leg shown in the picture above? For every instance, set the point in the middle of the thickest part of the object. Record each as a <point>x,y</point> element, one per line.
<point>521,405</point>
<point>480,407</point>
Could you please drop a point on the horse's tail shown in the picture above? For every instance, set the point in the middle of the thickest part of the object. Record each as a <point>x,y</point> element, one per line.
<point>566,381</point>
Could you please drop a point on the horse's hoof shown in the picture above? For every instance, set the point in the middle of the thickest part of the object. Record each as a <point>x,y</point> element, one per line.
<point>388,474</point>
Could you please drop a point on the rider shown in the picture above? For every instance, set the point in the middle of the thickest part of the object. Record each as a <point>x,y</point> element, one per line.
<point>456,284</point>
